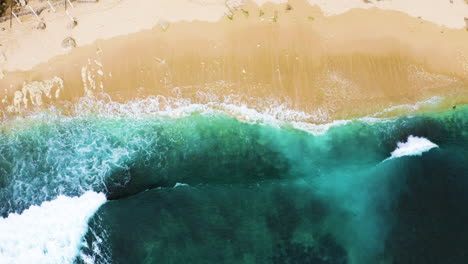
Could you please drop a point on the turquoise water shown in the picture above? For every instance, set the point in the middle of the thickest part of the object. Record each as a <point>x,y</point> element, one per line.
<point>212,189</point>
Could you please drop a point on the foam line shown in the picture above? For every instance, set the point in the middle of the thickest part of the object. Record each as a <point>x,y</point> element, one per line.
<point>414,146</point>
<point>49,233</point>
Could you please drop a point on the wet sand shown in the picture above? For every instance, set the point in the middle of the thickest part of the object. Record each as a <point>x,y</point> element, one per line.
<point>337,67</point>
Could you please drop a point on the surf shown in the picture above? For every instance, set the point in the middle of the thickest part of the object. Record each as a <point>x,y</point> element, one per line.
<point>414,146</point>
<point>130,151</point>
<point>48,233</point>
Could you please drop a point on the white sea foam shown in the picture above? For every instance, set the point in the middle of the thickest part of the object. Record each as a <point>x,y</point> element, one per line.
<point>267,111</point>
<point>49,233</point>
<point>414,146</point>
<point>431,103</point>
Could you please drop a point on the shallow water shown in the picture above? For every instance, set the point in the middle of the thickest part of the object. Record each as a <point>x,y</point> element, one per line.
<point>207,188</point>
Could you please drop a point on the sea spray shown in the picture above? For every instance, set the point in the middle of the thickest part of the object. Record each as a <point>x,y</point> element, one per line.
<point>414,146</point>
<point>49,233</point>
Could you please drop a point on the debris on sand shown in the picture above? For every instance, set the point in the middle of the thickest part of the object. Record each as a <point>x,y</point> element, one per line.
<point>72,24</point>
<point>41,26</point>
<point>163,24</point>
<point>68,43</point>
<point>3,58</point>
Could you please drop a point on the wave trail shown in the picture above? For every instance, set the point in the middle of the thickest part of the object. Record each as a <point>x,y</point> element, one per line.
<point>414,146</point>
<point>49,233</point>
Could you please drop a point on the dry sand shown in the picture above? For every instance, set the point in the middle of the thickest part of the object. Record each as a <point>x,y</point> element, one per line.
<point>352,63</point>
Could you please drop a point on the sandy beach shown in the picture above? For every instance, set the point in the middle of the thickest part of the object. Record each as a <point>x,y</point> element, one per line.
<point>329,60</point>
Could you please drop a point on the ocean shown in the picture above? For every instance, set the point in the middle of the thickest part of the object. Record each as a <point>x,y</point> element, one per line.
<point>205,187</point>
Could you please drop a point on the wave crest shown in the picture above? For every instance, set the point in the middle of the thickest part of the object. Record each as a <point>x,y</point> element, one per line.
<point>414,146</point>
<point>49,233</point>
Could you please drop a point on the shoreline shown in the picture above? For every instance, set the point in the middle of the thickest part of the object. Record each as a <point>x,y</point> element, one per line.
<point>279,116</point>
<point>299,56</point>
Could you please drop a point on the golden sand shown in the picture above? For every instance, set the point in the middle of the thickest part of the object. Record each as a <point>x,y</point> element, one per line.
<point>345,66</point>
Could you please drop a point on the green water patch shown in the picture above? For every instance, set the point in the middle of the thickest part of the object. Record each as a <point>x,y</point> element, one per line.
<point>383,214</point>
<point>337,202</point>
<point>261,223</point>
<point>430,214</point>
